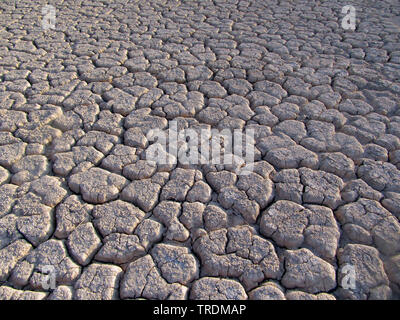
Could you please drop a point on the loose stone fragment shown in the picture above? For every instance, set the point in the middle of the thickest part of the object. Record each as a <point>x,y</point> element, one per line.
<point>98,282</point>
<point>97,185</point>
<point>83,243</point>
<point>217,289</point>
<point>307,272</point>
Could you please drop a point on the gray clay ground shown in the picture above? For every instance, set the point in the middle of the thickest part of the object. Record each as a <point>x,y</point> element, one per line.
<point>76,193</point>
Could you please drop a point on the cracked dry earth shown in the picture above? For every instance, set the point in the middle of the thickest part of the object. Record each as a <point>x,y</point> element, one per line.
<point>76,191</point>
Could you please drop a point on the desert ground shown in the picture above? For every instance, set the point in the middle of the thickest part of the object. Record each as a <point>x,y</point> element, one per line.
<point>86,214</point>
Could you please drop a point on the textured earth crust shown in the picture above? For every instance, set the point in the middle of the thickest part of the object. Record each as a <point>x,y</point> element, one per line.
<point>318,218</point>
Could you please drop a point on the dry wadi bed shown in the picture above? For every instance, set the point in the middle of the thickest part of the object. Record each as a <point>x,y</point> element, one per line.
<point>78,195</point>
